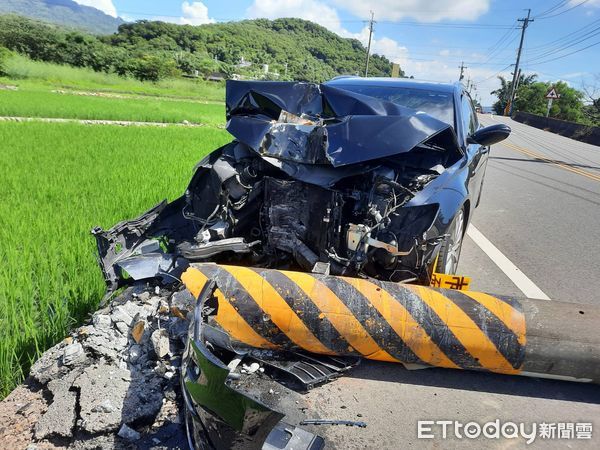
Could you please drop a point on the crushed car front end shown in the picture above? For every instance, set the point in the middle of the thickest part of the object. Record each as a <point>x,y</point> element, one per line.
<point>317,179</point>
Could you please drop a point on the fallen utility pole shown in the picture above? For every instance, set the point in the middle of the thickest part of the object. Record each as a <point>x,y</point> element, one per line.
<point>371,22</point>
<point>394,322</point>
<point>516,72</point>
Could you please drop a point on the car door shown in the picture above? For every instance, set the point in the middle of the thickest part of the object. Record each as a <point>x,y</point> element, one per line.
<point>476,154</point>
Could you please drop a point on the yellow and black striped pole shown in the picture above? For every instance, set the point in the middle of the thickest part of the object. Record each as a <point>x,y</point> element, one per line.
<point>276,309</point>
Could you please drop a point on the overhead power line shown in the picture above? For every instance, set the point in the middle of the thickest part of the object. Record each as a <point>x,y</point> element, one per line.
<point>564,11</point>
<point>565,37</point>
<point>495,75</point>
<point>499,50</point>
<point>556,50</point>
<point>553,8</point>
<point>567,54</point>
<point>502,38</point>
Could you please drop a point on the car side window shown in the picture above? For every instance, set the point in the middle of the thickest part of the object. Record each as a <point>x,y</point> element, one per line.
<point>469,117</point>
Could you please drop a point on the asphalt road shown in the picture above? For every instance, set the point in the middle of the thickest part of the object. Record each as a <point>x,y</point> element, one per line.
<point>541,210</point>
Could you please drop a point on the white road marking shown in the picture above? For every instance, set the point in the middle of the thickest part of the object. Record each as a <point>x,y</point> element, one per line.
<point>520,280</point>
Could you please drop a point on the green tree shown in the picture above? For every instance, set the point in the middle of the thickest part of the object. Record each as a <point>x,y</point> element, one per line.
<point>153,68</point>
<point>503,93</point>
<point>591,109</point>
<point>4,56</point>
<point>531,97</point>
<point>296,49</point>
<point>570,104</point>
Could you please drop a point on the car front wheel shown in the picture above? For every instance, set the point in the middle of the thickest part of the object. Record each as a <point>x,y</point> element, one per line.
<point>447,261</point>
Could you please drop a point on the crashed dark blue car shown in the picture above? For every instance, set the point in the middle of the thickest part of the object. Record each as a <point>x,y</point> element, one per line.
<point>358,177</point>
<point>372,178</point>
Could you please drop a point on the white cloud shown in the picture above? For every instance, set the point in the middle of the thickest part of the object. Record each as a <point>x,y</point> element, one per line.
<point>106,6</point>
<point>384,46</point>
<point>327,16</point>
<point>312,10</point>
<point>588,4</point>
<point>195,13</point>
<point>423,11</point>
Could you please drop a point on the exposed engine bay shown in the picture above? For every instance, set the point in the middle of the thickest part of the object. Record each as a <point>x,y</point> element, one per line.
<point>317,179</point>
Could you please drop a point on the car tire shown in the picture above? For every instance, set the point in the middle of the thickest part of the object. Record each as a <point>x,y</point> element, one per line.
<point>449,255</point>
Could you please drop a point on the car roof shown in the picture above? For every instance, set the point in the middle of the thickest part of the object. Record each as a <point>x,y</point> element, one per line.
<point>342,81</point>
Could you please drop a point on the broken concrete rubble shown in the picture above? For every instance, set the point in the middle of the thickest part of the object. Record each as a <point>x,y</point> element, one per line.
<point>73,354</point>
<point>112,383</point>
<point>160,343</point>
<point>61,415</point>
<point>129,433</point>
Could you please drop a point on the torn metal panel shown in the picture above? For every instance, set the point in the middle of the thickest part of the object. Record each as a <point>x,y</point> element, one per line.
<point>223,413</point>
<point>348,128</point>
<point>120,241</point>
<point>269,98</point>
<point>146,265</point>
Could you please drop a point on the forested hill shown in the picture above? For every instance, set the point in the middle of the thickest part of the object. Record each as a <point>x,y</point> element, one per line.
<point>63,12</point>
<point>309,50</point>
<point>282,49</point>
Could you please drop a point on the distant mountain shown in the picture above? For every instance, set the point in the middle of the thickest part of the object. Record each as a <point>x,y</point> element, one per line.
<point>63,12</point>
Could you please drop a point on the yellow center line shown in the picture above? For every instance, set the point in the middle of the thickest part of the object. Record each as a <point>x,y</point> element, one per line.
<point>560,164</point>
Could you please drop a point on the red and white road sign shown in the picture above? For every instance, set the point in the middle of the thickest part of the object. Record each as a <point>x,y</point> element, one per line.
<point>552,94</point>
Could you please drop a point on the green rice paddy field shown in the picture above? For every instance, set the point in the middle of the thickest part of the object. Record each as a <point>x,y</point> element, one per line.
<point>37,103</point>
<point>58,180</point>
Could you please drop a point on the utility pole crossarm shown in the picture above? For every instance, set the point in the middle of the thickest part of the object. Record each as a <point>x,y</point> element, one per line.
<point>462,71</point>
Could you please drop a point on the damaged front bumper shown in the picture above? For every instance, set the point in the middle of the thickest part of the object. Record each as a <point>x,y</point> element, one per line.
<point>218,411</point>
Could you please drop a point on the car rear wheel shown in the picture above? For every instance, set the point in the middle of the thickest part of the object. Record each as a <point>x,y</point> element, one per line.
<point>447,261</point>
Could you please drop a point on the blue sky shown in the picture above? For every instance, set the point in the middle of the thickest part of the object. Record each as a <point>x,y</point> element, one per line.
<point>428,38</point>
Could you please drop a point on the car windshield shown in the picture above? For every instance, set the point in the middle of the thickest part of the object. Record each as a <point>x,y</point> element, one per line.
<point>435,103</point>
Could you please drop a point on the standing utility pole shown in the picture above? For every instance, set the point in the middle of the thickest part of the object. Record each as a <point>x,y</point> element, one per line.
<point>462,71</point>
<point>513,89</point>
<point>371,22</point>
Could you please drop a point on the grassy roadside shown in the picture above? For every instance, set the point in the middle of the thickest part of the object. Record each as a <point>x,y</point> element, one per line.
<point>35,75</point>
<point>59,181</point>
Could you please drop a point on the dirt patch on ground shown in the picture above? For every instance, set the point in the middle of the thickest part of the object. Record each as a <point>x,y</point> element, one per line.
<point>134,96</point>
<point>123,123</point>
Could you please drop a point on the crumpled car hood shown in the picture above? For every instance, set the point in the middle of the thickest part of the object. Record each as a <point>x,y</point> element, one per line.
<point>320,124</point>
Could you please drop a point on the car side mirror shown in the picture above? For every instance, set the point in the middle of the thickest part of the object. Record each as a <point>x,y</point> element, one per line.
<point>490,135</point>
